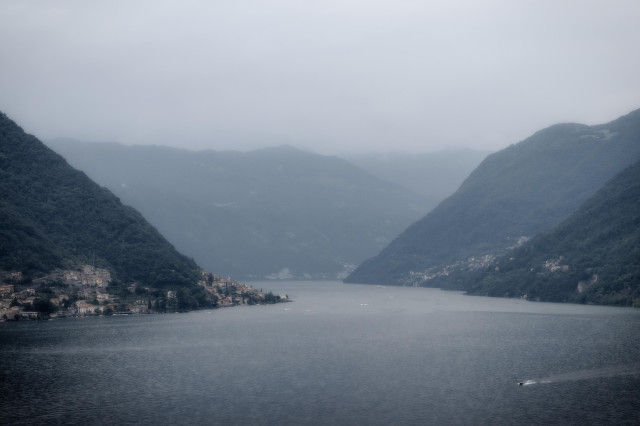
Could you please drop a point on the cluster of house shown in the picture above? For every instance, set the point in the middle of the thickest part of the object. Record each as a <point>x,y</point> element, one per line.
<point>227,292</point>
<point>556,265</point>
<point>83,291</point>
<point>469,264</point>
<point>8,309</point>
<point>66,292</point>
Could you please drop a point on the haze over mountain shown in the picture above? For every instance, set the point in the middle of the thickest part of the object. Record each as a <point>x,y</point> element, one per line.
<point>276,212</point>
<point>331,76</point>
<point>511,196</point>
<point>54,216</point>
<point>593,256</point>
<point>434,175</point>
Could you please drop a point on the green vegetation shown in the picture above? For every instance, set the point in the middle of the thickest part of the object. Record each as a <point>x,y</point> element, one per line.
<point>250,215</point>
<point>518,192</point>
<point>591,257</point>
<point>53,216</point>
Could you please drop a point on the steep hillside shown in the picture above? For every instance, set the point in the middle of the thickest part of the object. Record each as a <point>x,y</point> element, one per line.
<point>53,216</point>
<point>434,175</point>
<point>513,195</point>
<point>277,212</point>
<point>591,257</point>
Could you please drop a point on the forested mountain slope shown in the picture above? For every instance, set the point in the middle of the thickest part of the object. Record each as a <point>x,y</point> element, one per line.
<point>512,195</point>
<point>591,257</point>
<point>54,216</point>
<point>276,212</point>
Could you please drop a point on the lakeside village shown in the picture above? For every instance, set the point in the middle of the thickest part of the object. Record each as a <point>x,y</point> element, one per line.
<point>86,291</point>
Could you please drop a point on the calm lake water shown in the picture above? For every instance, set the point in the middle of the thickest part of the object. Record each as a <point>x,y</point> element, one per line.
<point>340,354</point>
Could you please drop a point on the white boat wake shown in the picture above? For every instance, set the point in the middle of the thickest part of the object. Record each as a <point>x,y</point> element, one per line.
<point>620,370</point>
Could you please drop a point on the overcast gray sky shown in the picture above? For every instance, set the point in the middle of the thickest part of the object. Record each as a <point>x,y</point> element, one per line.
<point>331,76</point>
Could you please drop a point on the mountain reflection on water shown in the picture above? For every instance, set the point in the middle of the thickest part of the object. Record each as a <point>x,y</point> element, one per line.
<point>339,354</point>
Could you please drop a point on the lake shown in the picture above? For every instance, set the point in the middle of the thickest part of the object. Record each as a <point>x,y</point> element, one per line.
<point>339,354</point>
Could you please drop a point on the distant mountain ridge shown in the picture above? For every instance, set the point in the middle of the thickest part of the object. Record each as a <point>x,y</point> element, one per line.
<point>591,257</point>
<point>512,195</point>
<point>434,175</point>
<point>53,216</point>
<point>271,213</point>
